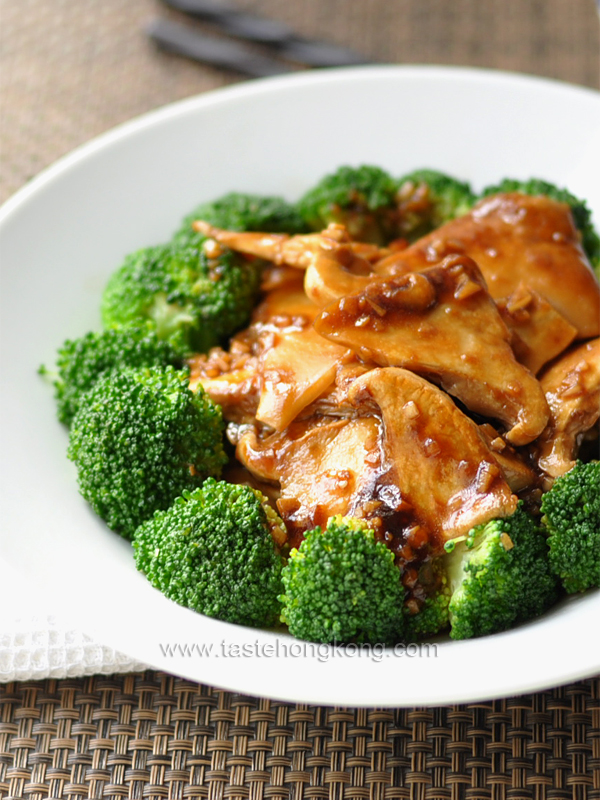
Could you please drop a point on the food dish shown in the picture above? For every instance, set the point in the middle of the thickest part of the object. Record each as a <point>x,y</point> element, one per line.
<point>153,200</point>
<point>352,386</point>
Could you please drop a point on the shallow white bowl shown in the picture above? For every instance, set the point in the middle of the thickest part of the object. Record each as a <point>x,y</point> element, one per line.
<point>66,231</point>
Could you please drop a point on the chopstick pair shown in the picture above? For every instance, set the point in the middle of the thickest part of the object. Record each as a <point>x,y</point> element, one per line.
<point>232,54</point>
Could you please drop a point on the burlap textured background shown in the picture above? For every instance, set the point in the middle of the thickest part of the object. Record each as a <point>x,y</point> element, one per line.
<point>70,69</point>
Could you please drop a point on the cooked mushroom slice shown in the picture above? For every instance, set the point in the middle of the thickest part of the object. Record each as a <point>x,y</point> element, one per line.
<point>293,251</point>
<point>234,378</point>
<point>572,387</point>
<point>540,333</point>
<point>513,238</point>
<point>334,264</point>
<point>279,248</point>
<point>438,458</point>
<point>517,473</point>
<point>231,379</point>
<point>322,467</point>
<point>334,401</point>
<point>287,305</point>
<point>334,273</point>
<point>299,367</point>
<point>442,323</point>
<point>280,277</point>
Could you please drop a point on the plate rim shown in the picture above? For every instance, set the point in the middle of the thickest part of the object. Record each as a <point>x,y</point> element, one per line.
<point>228,94</point>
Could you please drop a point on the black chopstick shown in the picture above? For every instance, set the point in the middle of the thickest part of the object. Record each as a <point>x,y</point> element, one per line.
<point>277,36</point>
<point>234,22</point>
<point>224,53</point>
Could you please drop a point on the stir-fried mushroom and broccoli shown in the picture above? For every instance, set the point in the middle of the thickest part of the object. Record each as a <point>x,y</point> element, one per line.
<point>408,376</point>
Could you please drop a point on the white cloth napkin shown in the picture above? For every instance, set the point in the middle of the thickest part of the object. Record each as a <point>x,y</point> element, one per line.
<point>36,647</point>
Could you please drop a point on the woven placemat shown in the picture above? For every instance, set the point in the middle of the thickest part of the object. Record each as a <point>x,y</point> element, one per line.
<point>155,736</point>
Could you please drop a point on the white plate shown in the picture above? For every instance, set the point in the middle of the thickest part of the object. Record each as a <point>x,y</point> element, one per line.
<point>66,231</point>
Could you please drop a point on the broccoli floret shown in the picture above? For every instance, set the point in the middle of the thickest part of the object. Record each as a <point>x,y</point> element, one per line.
<point>341,585</point>
<point>193,298</point>
<point>431,619</point>
<point>500,576</point>
<point>80,362</point>
<point>428,199</point>
<point>582,216</point>
<point>137,291</point>
<point>571,516</point>
<point>433,616</point>
<point>139,439</point>
<point>361,198</point>
<point>212,551</point>
<point>242,212</point>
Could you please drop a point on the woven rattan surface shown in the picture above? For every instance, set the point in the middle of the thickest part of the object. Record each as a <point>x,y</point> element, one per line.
<point>70,69</point>
<point>155,736</point>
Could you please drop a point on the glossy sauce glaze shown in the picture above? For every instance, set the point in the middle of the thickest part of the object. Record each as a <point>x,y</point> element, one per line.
<point>511,237</point>
<point>425,389</point>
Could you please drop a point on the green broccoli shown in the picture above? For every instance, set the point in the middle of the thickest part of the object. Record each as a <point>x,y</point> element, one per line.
<point>361,198</point>
<point>582,216</point>
<point>242,212</point>
<point>428,199</point>
<point>139,438</point>
<point>433,616</point>
<point>80,362</point>
<point>571,516</point>
<point>342,585</point>
<point>212,551</point>
<point>499,576</point>
<point>193,297</point>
